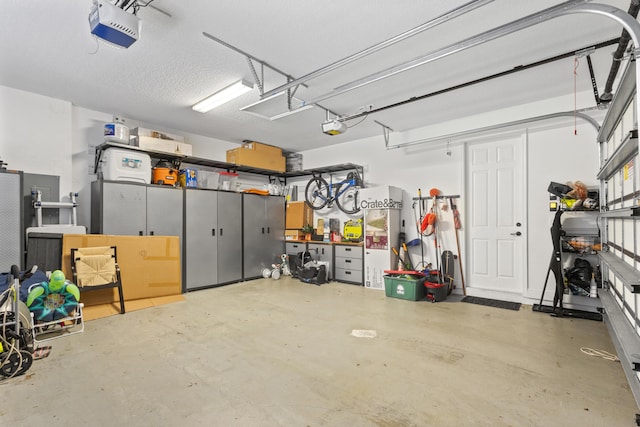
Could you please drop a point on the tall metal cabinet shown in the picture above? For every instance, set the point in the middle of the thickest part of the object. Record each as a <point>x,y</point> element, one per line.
<point>11,237</point>
<point>131,209</point>
<point>263,232</point>
<point>213,244</point>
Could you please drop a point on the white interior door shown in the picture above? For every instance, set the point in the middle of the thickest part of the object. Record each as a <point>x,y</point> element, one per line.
<point>496,237</point>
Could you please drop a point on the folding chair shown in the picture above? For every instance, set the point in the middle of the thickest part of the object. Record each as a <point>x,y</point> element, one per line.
<point>97,268</point>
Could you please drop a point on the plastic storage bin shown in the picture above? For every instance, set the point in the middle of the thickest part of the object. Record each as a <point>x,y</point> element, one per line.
<point>208,179</point>
<point>228,181</point>
<point>405,287</point>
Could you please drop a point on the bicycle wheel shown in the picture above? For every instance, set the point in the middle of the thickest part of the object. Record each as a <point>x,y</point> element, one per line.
<point>347,199</point>
<point>317,193</point>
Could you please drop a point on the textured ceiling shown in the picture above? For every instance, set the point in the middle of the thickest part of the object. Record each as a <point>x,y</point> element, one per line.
<point>46,48</point>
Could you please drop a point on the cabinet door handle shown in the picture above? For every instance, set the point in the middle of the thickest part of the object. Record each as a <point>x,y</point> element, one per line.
<point>347,249</point>
<point>322,251</point>
<point>151,233</point>
<point>140,233</point>
<point>347,261</point>
<point>517,233</point>
<point>268,230</point>
<point>347,272</point>
<point>221,232</point>
<point>213,232</point>
<point>262,230</point>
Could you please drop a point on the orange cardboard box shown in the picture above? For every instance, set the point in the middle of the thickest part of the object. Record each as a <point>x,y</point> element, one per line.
<point>298,215</point>
<point>257,159</point>
<point>149,265</point>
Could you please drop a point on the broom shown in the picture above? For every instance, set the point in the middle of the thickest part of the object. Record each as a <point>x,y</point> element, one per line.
<point>457,225</point>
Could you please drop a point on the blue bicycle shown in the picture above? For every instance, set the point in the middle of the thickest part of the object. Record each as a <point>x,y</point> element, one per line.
<point>319,193</point>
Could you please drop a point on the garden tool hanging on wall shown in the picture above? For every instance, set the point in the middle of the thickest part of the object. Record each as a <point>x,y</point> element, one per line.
<point>457,225</point>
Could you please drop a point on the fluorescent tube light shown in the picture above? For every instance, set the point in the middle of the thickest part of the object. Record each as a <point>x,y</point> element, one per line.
<point>223,96</point>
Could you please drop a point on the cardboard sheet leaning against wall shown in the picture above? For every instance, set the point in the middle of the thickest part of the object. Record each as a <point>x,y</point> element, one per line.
<point>149,266</point>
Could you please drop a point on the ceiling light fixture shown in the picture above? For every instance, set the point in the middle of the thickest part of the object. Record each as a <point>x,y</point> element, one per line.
<point>223,96</point>
<point>291,112</point>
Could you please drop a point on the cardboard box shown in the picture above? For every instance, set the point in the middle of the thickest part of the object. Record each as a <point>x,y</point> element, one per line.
<point>257,159</point>
<point>263,148</point>
<point>156,134</point>
<point>149,265</point>
<point>293,235</point>
<point>298,215</point>
<point>162,145</point>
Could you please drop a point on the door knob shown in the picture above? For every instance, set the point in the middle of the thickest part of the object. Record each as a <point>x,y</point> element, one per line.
<point>517,233</point>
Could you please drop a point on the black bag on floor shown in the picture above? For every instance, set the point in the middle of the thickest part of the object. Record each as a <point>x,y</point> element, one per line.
<point>297,262</point>
<point>580,274</point>
<point>314,275</point>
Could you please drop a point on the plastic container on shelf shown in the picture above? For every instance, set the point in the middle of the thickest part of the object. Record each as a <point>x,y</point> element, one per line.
<point>228,181</point>
<point>116,131</point>
<point>208,179</point>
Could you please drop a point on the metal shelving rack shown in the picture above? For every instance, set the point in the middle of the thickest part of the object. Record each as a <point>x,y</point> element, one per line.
<point>229,167</point>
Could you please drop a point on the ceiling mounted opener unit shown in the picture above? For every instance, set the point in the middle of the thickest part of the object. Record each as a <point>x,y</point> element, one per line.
<point>334,127</point>
<point>114,24</point>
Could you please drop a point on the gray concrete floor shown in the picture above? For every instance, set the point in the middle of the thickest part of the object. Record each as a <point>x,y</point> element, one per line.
<point>281,353</point>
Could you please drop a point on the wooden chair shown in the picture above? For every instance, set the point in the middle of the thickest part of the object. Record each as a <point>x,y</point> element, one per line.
<point>97,268</point>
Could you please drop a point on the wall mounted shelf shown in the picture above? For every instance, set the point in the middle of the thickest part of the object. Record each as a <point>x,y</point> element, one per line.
<point>229,167</point>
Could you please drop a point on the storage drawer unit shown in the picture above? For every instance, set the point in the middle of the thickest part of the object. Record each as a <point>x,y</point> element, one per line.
<point>293,248</point>
<point>348,264</point>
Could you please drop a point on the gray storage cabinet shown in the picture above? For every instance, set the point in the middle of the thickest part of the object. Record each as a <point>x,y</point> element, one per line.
<point>11,234</point>
<point>263,233</point>
<point>322,252</point>
<point>213,244</point>
<point>131,209</point>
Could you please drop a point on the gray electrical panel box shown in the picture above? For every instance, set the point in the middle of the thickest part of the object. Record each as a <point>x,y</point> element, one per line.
<point>11,220</point>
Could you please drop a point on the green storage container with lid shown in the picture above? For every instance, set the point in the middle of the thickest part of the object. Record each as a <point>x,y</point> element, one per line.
<point>405,286</point>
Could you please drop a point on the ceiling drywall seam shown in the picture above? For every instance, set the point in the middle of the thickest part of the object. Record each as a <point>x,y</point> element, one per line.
<point>459,11</point>
<point>477,131</point>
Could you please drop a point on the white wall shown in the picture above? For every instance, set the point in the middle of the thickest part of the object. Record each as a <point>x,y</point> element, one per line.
<point>35,134</point>
<point>554,155</point>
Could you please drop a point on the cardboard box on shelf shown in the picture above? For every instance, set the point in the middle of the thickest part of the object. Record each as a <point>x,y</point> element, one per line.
<point>293,235</point>
<point>257,159</point>
<point>263,148</point>
<point>156,134</point>
<point>162,145</point>
<point>298,215</point>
